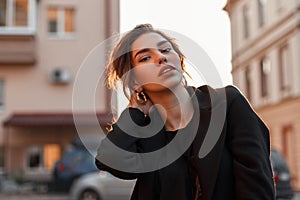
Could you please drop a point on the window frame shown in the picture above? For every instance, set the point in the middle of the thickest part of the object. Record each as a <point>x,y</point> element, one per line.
<point>41,150</point>
<point>61,33</point>
<point>10,29</point>
<point>265,68</point>
<point>248,83</point>
<point>30,152</point>
<point>261,12</point>
<point>285,70</point>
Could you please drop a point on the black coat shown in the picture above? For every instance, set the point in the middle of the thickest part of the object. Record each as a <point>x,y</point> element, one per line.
<point>236,167</point>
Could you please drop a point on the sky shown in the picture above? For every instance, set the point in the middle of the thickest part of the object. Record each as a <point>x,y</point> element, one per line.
<point>202,21</point>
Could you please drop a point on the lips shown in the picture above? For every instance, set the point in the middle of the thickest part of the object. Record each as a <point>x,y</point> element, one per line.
<point>165,69</point>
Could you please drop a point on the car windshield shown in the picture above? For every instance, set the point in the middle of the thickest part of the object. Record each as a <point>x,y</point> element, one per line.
<point>278,162</point>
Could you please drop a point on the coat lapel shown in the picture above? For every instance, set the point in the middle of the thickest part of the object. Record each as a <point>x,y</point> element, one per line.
<point>206,167</point>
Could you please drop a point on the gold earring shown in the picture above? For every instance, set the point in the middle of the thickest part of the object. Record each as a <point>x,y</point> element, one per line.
<point>141,97</point>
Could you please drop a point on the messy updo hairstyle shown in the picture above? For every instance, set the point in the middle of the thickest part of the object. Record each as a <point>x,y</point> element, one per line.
<point>120,60</point>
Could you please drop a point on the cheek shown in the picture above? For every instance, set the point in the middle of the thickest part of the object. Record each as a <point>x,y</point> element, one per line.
<point>178,62</point>
<point>145,74</point>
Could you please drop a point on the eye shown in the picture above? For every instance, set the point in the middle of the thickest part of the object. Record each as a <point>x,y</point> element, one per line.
<point>166,50</point>
<point>144,59</point>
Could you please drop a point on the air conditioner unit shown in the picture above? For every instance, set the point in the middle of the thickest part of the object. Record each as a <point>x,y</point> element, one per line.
<point>60,75</point>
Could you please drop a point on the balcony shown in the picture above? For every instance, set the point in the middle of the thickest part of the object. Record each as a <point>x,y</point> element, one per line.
<point>17,50</point>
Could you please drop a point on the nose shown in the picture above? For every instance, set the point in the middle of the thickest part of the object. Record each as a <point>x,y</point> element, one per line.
<point>161,58</point>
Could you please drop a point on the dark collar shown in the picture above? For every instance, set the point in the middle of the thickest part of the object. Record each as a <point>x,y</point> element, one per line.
<point>203,94</point>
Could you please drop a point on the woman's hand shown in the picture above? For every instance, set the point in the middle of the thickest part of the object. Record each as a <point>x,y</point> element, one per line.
<point>144,107</point>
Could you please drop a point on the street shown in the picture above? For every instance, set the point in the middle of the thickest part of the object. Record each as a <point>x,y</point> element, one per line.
<point>57,196</point>
<point>34,197</point>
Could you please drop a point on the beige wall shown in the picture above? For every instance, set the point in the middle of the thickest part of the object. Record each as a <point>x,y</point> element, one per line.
<point>29,89</point>
<point>273,15</point>
<point>281,26</point>
<point>21,139</point>
<point>278,117</point>
<point>272,53</point>
<point>279,109</point>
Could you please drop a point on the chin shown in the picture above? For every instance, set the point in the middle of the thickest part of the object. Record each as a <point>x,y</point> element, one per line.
<point>167,84</point>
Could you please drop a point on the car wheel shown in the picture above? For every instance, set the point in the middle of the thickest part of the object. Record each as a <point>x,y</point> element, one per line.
<point>89,194</point>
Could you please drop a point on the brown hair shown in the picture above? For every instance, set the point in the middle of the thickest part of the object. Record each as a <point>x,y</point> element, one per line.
<point>120,60</point>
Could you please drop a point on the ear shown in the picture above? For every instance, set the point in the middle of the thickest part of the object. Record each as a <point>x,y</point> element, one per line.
<point>137,88</point>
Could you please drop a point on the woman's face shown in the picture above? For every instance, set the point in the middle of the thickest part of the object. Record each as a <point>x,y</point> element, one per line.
<point>156,64</point>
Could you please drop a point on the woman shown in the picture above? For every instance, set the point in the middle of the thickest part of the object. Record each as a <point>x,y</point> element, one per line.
<point>236,165</point>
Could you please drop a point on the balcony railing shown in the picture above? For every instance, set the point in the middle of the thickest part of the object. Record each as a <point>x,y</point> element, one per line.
<point>17,50</point>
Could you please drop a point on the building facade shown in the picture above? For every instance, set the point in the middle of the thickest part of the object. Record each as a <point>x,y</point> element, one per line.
<point>266,67</point>
<point>42,45</point>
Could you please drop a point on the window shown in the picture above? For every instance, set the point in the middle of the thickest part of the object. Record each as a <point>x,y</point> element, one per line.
<point>248,83</point>
<point>246,17</point>
<point>288,148</point>
<point>34,158</point>
<point>2,13</point>
<point>285,74</point>
<point>17,16</point>
<point>261,12</point>
<point>61,22</point>
<point>52,20</point>
<point>1,95</point>
<point>51,154</point>
<point>43,156</point>
<point>265,68</point>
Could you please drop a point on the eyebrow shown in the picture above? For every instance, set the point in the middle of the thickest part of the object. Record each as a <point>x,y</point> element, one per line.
<point>148,49</point>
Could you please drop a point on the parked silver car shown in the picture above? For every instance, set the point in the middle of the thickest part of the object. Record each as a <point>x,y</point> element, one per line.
<point>101,186</point>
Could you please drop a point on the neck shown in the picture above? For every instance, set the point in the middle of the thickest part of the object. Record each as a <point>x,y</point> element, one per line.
<point>174,106</point>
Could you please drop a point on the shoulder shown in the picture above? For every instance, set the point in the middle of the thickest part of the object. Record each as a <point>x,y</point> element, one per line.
<point>230,92</point>
<point>229,88</point>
